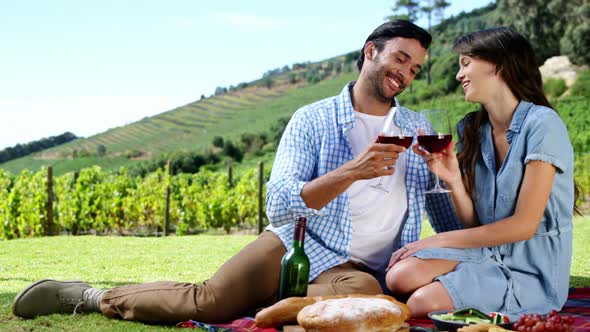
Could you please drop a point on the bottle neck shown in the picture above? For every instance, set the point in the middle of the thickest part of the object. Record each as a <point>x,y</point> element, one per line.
<point>299,234</point>
<point>297,244</point>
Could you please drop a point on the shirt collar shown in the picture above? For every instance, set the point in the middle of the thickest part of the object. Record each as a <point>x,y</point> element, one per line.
<point>519,115</point>
<point>517,119</point>
<point>403,118</point>
<point>346,109</point>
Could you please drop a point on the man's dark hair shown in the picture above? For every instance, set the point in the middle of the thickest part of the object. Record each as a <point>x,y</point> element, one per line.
<point>394,29</point>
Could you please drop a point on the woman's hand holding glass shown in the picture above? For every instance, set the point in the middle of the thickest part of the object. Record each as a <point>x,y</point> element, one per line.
<point>436,142</point>
<point>443,163</point>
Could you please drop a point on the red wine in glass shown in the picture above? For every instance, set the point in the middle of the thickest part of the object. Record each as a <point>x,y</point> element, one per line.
<point>391,134</point>
<point>434,143</point>
<point>404,141</point>
<point>435,138</point>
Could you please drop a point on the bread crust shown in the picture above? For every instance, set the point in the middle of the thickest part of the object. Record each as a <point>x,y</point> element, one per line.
<point>351,315</point>
<point>286,311</point>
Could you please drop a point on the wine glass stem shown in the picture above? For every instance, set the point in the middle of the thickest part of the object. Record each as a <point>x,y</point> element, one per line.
<point>437,184</point>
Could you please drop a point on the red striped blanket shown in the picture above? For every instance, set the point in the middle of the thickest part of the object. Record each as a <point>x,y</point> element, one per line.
<point>577,305</point>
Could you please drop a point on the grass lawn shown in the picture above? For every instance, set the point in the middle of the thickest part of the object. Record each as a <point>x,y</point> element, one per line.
<point>110,261</point>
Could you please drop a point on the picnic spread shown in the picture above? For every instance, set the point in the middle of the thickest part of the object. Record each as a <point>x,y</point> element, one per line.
<point>576,310</point>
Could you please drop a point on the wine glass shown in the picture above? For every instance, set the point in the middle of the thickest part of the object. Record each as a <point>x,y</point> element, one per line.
<point>435,138</point>
<point>392,134</point>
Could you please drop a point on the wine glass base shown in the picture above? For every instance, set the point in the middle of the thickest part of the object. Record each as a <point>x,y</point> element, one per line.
<point>437,191</point>
<point>380,188</point>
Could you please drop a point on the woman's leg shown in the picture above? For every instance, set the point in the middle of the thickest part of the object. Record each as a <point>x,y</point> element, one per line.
<point>411,273</point>
<point>431,297</point>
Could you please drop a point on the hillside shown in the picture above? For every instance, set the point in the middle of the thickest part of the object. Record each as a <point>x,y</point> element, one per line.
<point>254,107</point>
<point>187,128</point>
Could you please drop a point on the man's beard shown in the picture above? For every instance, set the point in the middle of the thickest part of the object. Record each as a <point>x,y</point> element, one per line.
<point>376,81</point>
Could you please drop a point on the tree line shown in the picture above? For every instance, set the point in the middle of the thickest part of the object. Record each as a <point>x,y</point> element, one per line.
<point>21,150</point>
<point>554,27</point>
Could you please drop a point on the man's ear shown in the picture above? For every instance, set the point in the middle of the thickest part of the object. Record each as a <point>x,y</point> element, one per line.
<point>370,51</point>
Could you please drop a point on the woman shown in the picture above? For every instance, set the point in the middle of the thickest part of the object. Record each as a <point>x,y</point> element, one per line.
<point>512,187</point>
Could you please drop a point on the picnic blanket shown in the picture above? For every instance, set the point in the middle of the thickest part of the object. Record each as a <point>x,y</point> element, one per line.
<point>245,324</point>
<point>577,306</point>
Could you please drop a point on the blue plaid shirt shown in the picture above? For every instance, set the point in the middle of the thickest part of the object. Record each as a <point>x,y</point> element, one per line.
<point>316,142</point>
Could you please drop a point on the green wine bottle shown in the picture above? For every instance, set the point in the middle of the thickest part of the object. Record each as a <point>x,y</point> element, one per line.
<point>295,265</point>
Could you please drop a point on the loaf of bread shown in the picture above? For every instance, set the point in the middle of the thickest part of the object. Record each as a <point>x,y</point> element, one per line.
<point>351,315</point>
<point>285,311</point>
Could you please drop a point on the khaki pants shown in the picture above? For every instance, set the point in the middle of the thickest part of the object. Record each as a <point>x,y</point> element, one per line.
<point>247,281</point>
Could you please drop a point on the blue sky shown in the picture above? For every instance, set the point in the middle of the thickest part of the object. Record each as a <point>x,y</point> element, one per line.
<point>87,66</point>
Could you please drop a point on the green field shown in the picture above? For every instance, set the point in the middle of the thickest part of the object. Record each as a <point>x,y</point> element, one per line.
<point>111,261</point>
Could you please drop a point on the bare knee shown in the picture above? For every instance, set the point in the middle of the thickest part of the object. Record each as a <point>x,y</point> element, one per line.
<point>431,297</point>
<point>405,276</point>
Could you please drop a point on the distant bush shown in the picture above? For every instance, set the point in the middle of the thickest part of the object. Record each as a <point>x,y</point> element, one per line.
<point>83,153</point>
<point>220,90</point>
<point>292,78</point>
<point>243,85</point>
<point>267,82</point>
<point>301,65</point>
<point>130,154</point>
<point>278,128</point>
<point>554,87</point>
<point>218,141</point>
<point>230,150</point>
<point>252,142</point>
<point>182,162</point>
<point>582,85</point>
<point>421,92</point>
<point>444,69</point>
<point>21,150</point>
<point>101,150</point>
<point>436,89</point>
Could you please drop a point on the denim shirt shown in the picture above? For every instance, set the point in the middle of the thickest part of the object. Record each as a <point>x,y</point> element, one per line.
<point>538,269</point>
<point>316,142</point>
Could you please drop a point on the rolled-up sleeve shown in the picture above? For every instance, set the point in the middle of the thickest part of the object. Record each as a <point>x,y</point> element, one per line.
<point>295,164</point>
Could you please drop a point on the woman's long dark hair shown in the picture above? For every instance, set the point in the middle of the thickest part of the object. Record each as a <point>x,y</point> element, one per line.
<point>514,59</point>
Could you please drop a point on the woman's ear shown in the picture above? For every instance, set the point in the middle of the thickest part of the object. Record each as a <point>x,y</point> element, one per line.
<point>499,69</point>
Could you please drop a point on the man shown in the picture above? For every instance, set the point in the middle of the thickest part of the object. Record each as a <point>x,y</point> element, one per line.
<point>323,164</point>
